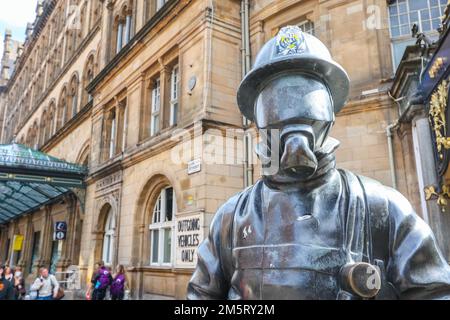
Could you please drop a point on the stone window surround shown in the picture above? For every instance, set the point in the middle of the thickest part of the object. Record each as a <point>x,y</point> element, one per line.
<point>114,114</point>
<point>162,226</point>
<point>162,70</point>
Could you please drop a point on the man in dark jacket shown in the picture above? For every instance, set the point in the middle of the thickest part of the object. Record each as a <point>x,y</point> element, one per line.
<point>6,288</point>
<point>307,230</point>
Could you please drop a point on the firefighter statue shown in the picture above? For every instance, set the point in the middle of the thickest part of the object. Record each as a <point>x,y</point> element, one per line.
<point>307,230</point>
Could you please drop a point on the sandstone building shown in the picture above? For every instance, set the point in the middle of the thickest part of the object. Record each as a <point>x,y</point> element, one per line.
<point>118,86</point>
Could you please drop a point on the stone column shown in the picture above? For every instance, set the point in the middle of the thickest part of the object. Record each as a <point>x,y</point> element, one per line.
<point>46,239</point>
<point>438,221</point>
<point>65,259</point>
<point>25,259</point>
<point>139,15</point>
<point>164,96</point>
<point>107,22</point>
<point>3,243</point>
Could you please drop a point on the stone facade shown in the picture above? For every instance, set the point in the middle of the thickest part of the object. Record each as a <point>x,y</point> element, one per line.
<point>119,86</point>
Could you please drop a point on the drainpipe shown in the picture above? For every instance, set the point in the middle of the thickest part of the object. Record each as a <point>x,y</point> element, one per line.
<point>246,65</point>
<point>389,135</point>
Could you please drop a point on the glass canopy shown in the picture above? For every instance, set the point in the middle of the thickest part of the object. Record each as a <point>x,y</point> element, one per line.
<point>30,179</point>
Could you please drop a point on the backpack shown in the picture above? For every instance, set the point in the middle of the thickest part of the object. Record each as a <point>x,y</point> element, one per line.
<point>103,280</point>
<point>118,285</point>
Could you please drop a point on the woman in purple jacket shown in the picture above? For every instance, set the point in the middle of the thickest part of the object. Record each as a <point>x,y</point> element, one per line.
<point>119,284</point>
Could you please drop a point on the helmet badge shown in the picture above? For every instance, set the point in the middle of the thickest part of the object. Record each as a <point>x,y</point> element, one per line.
<point>290,40</point>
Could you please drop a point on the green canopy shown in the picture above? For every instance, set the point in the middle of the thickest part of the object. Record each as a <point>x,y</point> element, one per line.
<point>30,179</point>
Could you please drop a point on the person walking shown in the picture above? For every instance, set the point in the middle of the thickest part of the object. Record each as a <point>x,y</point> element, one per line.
<point>119,284</point>
<point>19,284</point>
<point>101,282</point>
<point>6,288</point>
<point>97,267</point>
<point>46,285</point>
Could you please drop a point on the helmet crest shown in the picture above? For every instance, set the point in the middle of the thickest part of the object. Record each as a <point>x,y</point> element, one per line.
<point>290,40</point>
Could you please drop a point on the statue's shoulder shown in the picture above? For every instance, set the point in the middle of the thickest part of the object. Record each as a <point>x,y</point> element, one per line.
<point>237,201</point>
<point>379,192</point>
<point>384,201</point>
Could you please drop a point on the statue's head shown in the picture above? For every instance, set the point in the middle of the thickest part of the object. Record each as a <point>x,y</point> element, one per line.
<point>296,88</point>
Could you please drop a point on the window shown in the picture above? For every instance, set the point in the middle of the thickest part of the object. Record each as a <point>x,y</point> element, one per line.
<point>161,229</point>
<point>119,39</point>
<point>62,109</point>
<point>74,96</point>
<point>403,14</point>
<point>307,26</point>
<point>52,119</point>
<point>114,129</point>
<point>160,4</point>
<point>108,239</point>
<point>35,136</point>
<point>88,76</point>
<point>55,256</point>
<point>35,250</point>
<point>124,29</point>
<point>128,23</point>
<point>112,135</point>
<point>43,128</point>
<point>156,107</point>
<point>174,92</point>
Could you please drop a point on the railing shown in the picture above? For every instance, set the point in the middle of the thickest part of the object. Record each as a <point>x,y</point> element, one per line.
<point>69,279</point>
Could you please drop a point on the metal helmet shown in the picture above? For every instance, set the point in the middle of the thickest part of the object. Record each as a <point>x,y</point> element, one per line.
<point>291,51</point>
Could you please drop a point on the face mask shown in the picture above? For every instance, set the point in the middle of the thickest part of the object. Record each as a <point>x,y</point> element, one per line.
<point>297,146</point>
<point>289,152</point>
<point>18,274</point>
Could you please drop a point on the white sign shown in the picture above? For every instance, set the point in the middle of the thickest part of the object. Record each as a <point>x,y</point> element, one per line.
<point>194,166</point>
<point>189,235</point>
<point>59,235</point>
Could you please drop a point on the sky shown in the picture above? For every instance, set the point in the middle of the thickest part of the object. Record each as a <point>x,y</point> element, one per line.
<point>14,15</point>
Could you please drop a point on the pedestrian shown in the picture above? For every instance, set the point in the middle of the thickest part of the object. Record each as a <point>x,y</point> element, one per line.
<point>9,274</point>
<point>120,282</point>
<point>97,267</point>
<point>46,285</point>
<point>101,282</point>
<point>6,288</point>
<point>19,284</point>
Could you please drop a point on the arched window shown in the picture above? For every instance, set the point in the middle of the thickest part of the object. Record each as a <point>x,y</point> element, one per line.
<point>161,228</point>
<point>62,109</point>
<point>108,238</point>
<point>35,136</point>
<point>73,96</point>
<point>88,76</point>
<point>123,27</point>
<point>29,140</point>
<point>52,119</point>
<point>128,31</point>
<point>43,129</point>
